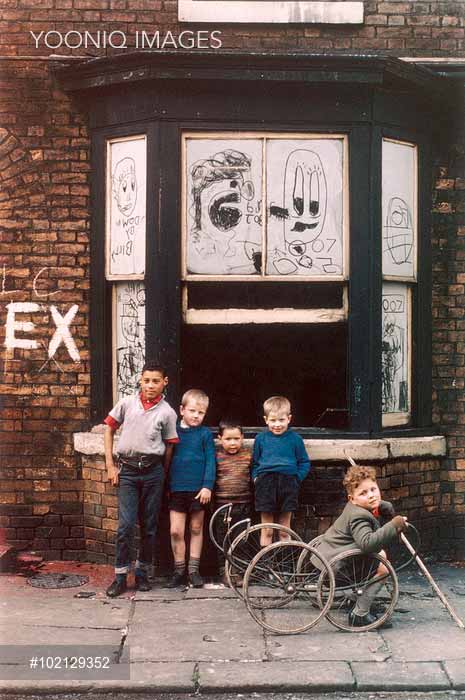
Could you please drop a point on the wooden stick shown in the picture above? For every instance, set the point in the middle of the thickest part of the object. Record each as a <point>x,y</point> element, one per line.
<point>433,583</point>
<point>423,568</point>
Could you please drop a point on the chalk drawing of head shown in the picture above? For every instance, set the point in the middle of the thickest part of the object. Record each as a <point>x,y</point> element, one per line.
<point>305,200</point>
<point>398,238</point>
<point>220,185</point>
<point>124,185</point>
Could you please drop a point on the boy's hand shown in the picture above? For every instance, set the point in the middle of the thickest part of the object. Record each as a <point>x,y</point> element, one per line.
<point>113,474</point>
<point>400,523</point>
<point>204,496</point>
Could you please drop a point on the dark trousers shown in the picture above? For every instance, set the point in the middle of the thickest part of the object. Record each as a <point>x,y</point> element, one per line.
<point>139,501</point>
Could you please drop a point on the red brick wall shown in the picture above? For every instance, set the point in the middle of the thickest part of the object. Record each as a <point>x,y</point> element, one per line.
<point>44,210</point>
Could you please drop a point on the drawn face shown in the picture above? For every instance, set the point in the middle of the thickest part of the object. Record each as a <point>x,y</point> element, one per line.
<point>129,326</point>
<point>152,384</point>
<point>366,495</point>
<point>399,231</point>
<point>223,205</point>
<point>278,422</point>
<point>193,413</point>
<point>231,440</point>
<point>125,186</point>
<point>304,200</point>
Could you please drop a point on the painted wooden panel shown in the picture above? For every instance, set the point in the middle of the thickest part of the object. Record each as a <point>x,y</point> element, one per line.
<point>396,351</point>
<point>399,209</point>
<point>126,200</point>
<point>128,336</point>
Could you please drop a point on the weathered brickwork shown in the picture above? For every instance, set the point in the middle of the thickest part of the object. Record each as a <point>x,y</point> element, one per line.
<point>49,500</point>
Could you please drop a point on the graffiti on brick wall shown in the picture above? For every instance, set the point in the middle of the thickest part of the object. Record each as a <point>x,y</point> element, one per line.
<point>19,332</point>
<point>127,173</point>
<point>129,316</point>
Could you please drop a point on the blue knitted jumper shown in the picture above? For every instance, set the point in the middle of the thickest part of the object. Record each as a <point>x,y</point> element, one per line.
<point>283,454</point>
<point>193,466</point>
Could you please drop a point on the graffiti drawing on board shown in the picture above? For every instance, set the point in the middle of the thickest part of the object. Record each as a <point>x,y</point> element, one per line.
<point>399,188</point>
<point>126,219</point>
<point>224,200</point>
<point>305,207</point>
<point>394,344</point>
<point>129,310</point>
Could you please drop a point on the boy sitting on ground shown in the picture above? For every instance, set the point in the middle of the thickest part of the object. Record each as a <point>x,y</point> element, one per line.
<point>232,480</point>
<point>358,526</point>
<point>279,465</point>
<point>192,476</point>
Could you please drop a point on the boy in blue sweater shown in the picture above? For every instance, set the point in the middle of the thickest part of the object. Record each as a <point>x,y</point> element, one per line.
<point>279,465</point>
<point>192,476</point>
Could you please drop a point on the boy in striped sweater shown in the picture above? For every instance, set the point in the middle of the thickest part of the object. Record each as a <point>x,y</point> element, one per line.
<point>232,479</point>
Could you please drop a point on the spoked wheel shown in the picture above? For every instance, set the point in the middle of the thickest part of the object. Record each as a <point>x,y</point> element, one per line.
<point>356,576</point>
<point>281,587</point>
<point>246,545</point>
<point>220,519</point>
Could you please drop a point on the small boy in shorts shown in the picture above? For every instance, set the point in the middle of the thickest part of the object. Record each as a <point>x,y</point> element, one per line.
<point>232,480</point>
<point>279,465</point>
<point>358,526</point>
<point>192,476</point>
<point>145,447</point>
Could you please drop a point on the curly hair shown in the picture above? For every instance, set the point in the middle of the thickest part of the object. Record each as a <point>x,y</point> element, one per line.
<point>355,475</point>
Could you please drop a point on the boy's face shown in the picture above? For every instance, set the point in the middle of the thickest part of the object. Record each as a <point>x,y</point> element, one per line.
<point>193,413</point>
<point>152,384</point>
<point>366,495</point>
<point>231,440</point>
<point>278,422</point>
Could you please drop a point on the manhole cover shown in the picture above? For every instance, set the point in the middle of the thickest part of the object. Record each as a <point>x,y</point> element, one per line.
<point>57,580</point>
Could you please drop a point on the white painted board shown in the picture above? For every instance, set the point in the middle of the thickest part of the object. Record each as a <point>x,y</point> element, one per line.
<point>305,213</point>
<point>399,209</point>
<point>126,207</point>
<point>223,190</point>
<point>395,348</point>
<point>129,336</point>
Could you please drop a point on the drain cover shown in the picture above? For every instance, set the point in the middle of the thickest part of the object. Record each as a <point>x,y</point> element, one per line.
<point>57,580</point>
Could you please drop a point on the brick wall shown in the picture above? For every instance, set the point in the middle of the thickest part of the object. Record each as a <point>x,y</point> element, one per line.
<point>44,210</point>
<point>413,485</point>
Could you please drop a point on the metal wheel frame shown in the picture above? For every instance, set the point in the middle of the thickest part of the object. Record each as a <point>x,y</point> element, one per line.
<point>257,610</point>
<point>345,589</point>
<point>238,567</point>
<point>227,507</point>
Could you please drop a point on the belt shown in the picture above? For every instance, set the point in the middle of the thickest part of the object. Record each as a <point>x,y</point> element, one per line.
<point>139,462</point>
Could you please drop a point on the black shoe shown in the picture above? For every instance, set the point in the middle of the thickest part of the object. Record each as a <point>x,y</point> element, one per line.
<point>364,620</point>
<point>142,584</point>
<point>195,579</point>
<point>116,588</point>
<point>177,580</point>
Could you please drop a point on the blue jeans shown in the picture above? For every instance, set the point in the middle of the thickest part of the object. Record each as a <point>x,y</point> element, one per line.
<point>139,501</point>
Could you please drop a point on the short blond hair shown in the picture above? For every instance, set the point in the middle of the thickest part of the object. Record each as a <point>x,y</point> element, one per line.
<point>196,395</point>
<point>277,404</point>
<point>355,475</point>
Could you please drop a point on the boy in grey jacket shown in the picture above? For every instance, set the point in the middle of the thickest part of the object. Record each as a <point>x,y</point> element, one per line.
<point>358,526</point>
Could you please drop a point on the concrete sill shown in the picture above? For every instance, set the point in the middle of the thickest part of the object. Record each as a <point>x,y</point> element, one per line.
<point>319,450</point>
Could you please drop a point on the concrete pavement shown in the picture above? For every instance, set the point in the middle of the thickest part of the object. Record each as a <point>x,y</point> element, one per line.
<point>203,640</point>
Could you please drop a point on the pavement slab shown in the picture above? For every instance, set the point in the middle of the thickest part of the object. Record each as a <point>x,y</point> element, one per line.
<point>71,612</point>
<point>455,669</point>
<point>207,630</point>
<point>277,677</point>
<point>394,676</point>
<point>326,643</point>
<point>426,639</point>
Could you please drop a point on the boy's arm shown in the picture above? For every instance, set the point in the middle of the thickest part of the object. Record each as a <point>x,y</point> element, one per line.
<point>372,541</point>
<point>168,456</point>
<point>256,453</point>
<point>303,461</point>
<point>112,469</point>
<point>209,472</point>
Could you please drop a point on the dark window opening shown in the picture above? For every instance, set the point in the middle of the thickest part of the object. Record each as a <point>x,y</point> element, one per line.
<point>239,366</point>
<point>264,295</point>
